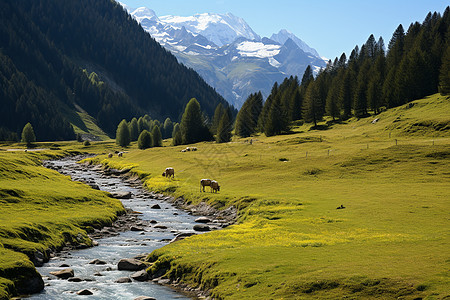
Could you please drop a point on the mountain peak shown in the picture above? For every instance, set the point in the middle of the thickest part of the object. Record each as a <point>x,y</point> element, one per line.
<point>221,29</point>
<point>283,35</point>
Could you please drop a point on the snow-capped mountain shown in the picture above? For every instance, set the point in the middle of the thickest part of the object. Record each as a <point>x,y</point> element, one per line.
<point>227,53</point>
<point>283,35</point>
<point>218,28</point>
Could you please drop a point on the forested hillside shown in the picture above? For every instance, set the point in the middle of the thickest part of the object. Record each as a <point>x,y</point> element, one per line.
<point>373,78</point>
<point>58,54</point>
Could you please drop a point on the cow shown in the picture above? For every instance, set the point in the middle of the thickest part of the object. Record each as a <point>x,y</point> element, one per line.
<point>110,155</point>
<point>169,172</point>
<point>120,154</point>
<point>215,187</point>
<point>203,183</point>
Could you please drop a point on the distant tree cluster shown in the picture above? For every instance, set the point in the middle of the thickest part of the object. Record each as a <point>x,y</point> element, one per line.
<point>417,64</point>
<point>144,130</point>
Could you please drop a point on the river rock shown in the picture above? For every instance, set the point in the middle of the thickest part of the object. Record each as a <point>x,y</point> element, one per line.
<point>135,228</point>
<point>203,220</point>
<point>97,262</point>
<point>121,195</point>
<point>85,292</point>
<point>63,274</point>
<point>144,298</point>
<point>140,275</point>
<point>64,266</point>
<point>201,227</point>
<point>155,206</point>
<point>123,280</point>
<point>160,227</point>
<point>75,279</point>
<point>182,236</point>
<point>38,259</point>
<point>130,264</point>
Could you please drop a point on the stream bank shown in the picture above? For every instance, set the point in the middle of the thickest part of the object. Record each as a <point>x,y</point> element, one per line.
<point>152,221</point>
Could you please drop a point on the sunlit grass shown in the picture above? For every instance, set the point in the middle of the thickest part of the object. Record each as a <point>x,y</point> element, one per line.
<point>290,241</point>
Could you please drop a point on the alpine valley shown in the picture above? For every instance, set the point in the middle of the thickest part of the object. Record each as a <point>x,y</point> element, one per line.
<point>227,53</point>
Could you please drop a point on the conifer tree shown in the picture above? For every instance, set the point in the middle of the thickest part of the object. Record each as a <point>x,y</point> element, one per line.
<point>145,140</point>
<point>332,102</point>
<point>224,129</point>
<point>247,118</point>
<point>192,128</point>
<point>218,113</point>
<point>168,128</point>
<point>134,130</point>
<point>176,135</point>
<point>277,121</point>
<point>28,136</point>
<point>123,134</point>
<point>157,137</point>
<point>311,109</point>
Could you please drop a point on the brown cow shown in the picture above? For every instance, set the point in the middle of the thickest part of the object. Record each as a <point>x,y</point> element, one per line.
<point>169,172</point>
<point>215,187</point>
<point>203,183</point>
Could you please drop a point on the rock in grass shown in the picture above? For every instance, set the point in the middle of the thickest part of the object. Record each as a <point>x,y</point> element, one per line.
<point>85,292</point>
<point>63,274</point>
<point>130,264</point>
<point>201,227</point>
<point>123,280</point>
<point>140,275</point>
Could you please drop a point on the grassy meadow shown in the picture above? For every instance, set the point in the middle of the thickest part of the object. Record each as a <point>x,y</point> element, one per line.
<point>290,240</point>
<point>41,209</point>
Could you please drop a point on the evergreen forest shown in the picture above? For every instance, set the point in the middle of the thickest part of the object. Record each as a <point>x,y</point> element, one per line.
<point>59,57</point>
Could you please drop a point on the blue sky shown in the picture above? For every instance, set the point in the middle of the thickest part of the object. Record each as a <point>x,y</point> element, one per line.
<point>331,27</point>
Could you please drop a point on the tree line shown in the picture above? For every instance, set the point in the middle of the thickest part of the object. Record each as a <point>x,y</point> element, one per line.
<point>415,64</point>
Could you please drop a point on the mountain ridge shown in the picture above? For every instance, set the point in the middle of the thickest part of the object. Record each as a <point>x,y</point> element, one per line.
<point>210,55</point>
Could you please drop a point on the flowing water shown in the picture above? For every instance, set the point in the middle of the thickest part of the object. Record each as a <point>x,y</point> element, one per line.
<point>100,279</point>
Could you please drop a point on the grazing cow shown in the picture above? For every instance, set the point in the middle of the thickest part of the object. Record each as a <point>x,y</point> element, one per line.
<point>215,187</point>
<point>169,172</point>
<point>184,150</point>
<point>193,148</point>
<point>203,183</point>
<point>110,155</point>
<point>120,154</point>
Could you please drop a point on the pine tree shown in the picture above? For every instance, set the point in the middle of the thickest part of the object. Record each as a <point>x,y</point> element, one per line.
<point>192,127</point>
<point>444,77</point>
<point>176,135</point>
<point>123,134</point>
<point>311,109</point>
<point>157,137</point>
<point>332,102</point>
<point>168,128</point>
<point>247,118</point>
<point>145,140</point>
<point>277,121</point>
<point>134,131</point>
<point>28,136</point>
<point>218,113</point>
<point>224,129</point>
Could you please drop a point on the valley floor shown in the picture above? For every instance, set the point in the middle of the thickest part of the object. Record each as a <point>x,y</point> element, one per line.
<point>388,239</point>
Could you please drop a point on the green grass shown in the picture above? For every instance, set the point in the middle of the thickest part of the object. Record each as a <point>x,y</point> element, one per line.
<point>41,209</point>
<point>290,241</point>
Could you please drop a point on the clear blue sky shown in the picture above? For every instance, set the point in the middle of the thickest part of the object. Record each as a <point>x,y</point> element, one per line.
<point>329,26</point>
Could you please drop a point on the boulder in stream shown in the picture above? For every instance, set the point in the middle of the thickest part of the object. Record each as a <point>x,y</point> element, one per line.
<point>85,292</point>
<point>144,298</point>
<point>97,262</point>
<point>141,275</point>
<point>203,220</point>
<point>201,227</point>
<point>123,280</point>
<point>121,195</point>
<point>63,274</point>
<point>130,264</point>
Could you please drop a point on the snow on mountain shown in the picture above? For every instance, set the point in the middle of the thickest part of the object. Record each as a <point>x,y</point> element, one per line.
<point>227,53</point>
<point>221,29</point>
<point>283,35</point>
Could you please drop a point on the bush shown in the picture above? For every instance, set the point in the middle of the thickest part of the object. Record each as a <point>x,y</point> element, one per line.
<point>28,136</point>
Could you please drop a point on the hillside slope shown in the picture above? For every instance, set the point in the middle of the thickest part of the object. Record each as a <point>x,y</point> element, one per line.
<point>388,239</point>
<point>46,45</point>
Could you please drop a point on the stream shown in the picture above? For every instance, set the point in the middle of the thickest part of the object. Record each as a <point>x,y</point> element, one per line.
<point>100,279</point>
